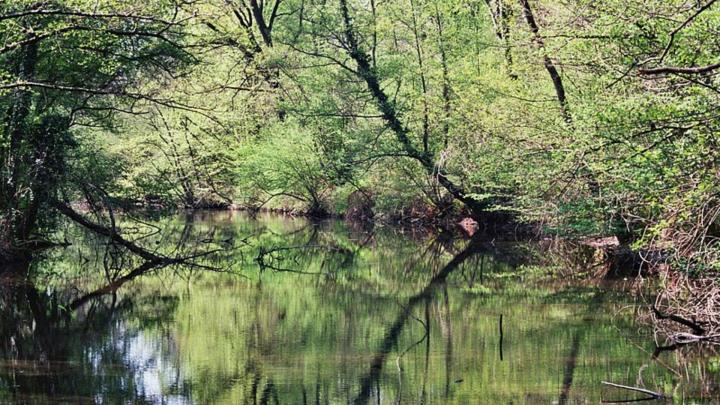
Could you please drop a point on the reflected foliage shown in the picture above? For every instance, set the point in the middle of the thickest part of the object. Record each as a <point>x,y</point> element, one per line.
<point>332,315</point>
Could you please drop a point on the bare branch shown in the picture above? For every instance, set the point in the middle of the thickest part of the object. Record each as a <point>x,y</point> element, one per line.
<point>679,70</point>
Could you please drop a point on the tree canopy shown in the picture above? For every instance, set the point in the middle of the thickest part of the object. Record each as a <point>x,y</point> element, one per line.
<point>585,118</point>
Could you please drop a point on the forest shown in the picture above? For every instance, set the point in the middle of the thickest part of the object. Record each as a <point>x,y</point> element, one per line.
<point>575,123</point>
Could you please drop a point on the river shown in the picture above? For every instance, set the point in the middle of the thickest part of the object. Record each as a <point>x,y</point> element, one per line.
<point>287,311</point>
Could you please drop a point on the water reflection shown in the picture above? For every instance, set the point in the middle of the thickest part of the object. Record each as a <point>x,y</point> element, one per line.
<point>371,379</point>
<point>75,357</point>
<point>324,314</point>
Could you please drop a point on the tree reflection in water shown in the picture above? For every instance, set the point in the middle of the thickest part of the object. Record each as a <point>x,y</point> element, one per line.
<point>376,317</point>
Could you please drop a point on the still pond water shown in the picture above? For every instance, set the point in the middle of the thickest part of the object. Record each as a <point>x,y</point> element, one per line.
<point>327,315</point>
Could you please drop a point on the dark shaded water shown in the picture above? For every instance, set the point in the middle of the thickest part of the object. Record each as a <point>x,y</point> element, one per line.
<point>333,316</point>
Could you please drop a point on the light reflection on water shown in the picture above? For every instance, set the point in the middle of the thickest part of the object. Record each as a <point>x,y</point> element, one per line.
<point>381,318</point>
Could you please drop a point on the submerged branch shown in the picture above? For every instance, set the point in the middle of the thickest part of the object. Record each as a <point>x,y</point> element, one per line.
<point>115,285</point>
<point>652,394</point>
<point>699,330</point>
<point>153,260</point>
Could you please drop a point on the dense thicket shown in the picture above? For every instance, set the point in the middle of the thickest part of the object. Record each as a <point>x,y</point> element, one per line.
<point>589,118</point>
<point>66,70</point>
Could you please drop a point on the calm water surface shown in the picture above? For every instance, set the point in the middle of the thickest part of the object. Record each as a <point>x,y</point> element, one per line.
<point>330,315</point>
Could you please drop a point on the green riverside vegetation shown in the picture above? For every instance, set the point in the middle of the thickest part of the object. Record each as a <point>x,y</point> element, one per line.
<point>595,123</point>
<point>589,119</point>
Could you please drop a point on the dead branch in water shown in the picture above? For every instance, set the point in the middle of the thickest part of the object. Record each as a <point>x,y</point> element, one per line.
<point>651,394</point>
<point>685,338</point>
<point>699,330</point>
<point>687,302</point>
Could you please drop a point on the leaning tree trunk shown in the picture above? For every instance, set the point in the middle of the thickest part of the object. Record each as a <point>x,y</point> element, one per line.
<point>369,75</point>
<point>590,178</point>
<point>547,62</point>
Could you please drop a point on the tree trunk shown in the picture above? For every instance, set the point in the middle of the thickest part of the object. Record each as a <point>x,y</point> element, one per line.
<point>549,65</point>
<point>369,75</point>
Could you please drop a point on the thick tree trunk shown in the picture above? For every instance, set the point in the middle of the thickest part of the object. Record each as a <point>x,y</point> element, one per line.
<point>257,12</point>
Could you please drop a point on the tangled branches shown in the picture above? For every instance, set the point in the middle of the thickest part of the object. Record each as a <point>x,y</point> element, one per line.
<point>688,304</point>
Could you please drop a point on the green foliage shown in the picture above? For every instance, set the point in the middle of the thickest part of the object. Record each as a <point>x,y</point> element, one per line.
<point>65,65</point>
<point>272,109</point>
<point>285,161</point>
